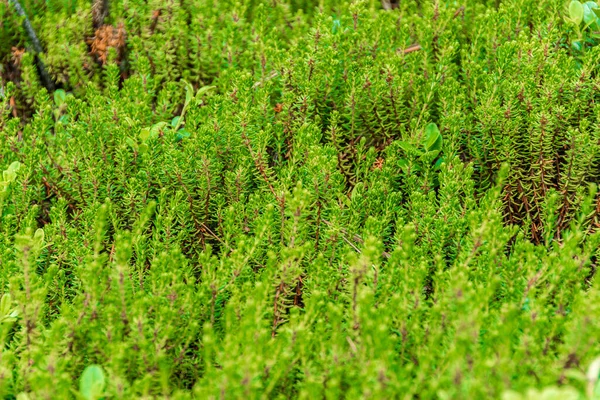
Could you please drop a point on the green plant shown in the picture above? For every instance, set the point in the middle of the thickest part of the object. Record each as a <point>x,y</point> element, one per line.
<point>584,18</point>
<point>277,199</point>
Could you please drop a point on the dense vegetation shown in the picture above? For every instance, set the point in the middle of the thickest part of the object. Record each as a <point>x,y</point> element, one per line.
<point>300,199</point>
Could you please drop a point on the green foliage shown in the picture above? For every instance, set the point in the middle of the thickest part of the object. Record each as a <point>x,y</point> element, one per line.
<point>285,199</point>
<point>92,382</point>
<point>585,19</point>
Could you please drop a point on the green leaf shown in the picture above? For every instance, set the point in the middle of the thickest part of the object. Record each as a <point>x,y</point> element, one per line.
<point>92,382</point>
<point>433,138</point>
<point>144,134</point>
<point>14,166</point>
<point>8,176</point>
<point>143,148</point>
<point>175,121</point>
<point>576,11</point>
<point>38,237</point>
<point>202,91</point>
<point>189,93</point>
<point>403,164</point>
<point>182,134</point>
<point>409,148</point>
<point>5,303</point>
<point>59,97</point>
<point>156,128</point>
<point>589,16</point>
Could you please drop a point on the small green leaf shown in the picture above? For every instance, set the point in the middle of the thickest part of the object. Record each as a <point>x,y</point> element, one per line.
<point>589,16</point>
<point>576,11</point>
<point>9,175</point>
<point>5,303</point>
<point>189,93</point>
<point>433,138</point>
<point>156,128</point>
<point>38,237</point>
<point>175,121</point>
<point>203,90</point>
<point>143,148</point>
<point>14,166</point>
<point>144,134</point>
<point>92,382</point>
<point>403,164</point>
<point>182,134</point>
<point>59,97</point>
<point>409,148</point>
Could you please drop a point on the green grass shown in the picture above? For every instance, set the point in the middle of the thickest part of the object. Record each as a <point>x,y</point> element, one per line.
<point>277,200</point>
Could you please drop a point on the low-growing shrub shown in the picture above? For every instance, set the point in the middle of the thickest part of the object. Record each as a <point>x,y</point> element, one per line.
<point>301,200</point>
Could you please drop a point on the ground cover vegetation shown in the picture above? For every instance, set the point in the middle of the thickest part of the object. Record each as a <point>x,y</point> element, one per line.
<point>299,199</point>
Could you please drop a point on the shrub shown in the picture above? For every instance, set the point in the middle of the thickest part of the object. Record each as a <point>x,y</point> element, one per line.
<point>283,199</point>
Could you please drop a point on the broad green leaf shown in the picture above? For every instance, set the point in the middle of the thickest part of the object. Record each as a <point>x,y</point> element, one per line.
<point>92,382</point>
<point>8,175</point>
<point>143,148</point>
<point>576,11</point>
<point>59,97</point>
<point>589,16</point>
<point>14,166</point>
<point>144,134</point>
<point>433,138</point>
<point>403,164</point>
